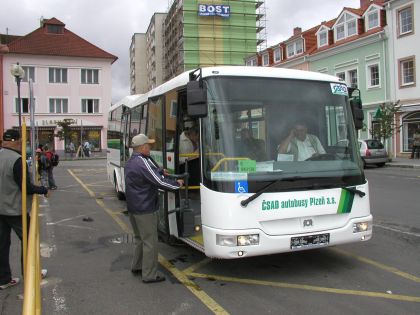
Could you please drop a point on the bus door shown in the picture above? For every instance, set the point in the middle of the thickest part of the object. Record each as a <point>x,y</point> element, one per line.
<point>155,130</point>
<point>187,158</point>
<point>125,144</point>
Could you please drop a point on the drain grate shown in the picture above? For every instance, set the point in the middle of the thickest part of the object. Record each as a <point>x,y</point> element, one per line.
<point>122,239</point>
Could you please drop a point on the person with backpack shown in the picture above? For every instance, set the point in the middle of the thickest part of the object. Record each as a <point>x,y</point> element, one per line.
<point>50,163</point>
<point>43,166</point>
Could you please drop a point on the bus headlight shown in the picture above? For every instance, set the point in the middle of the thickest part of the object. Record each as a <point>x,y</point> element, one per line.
<point>225,240</point>
<point>237,240</point>
<point>361,227</point>
<point>246,240</point>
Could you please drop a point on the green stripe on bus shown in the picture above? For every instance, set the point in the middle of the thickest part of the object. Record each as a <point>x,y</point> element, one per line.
<point>346,202</point>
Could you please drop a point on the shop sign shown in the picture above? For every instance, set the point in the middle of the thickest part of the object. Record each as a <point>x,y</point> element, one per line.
<point>214,10</point>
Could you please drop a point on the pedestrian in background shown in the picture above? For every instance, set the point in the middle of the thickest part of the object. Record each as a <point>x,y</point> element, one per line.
<point>72,148</point>
<point>43,165</point>
<point>143,177</point>
<point>50,156</point>
<point>416,144</point>
<point>11,205</point>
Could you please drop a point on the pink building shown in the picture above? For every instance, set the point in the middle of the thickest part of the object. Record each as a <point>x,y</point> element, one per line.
<point>71,80</point>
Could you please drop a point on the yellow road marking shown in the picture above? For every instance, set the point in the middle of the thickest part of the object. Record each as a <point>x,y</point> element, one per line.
<point>101,204</point>
<point>194,267</point>
<point>398,297</point>
<point>182,278</point>
<point>379,265</point>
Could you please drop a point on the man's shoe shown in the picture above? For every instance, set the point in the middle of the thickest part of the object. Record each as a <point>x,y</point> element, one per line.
<point>136,272</point>
<point>44,273</point>
<point>11,283</point>
<point>53,187</point>
<point>157,279</point>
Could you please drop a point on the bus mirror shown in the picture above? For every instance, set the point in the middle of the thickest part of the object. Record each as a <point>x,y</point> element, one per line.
<point>356,107</point>
<point>196,99</point>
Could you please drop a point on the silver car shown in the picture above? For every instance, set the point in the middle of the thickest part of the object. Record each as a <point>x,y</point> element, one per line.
<point>373,152</point>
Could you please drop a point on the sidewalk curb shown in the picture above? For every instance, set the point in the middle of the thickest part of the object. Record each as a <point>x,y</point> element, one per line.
<point>403,165</point>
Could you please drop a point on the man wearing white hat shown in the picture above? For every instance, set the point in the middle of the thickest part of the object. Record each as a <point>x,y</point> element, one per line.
<point>143,178</point>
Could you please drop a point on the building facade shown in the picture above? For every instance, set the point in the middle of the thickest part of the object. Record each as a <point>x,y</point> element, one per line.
<point>71,80</point>
<point>203,33</point>
<point>138,60</point>
<point>404,52</point>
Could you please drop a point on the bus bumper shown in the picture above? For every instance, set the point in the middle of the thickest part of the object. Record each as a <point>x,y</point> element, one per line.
<point>274,244</point>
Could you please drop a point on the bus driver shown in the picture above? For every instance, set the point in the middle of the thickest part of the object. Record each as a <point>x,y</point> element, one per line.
<point>301,144</point>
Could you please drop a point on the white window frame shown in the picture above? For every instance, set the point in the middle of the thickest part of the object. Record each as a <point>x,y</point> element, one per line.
<point>347,19</point>
<point>54,79</point>
<point>252,62</point>
<point>95,104</point>
<point>372,11</point>
<point>401,74</point>
<point>410,8</point>
<point>369,75</point>
<point>319,38</point>
<point>277,50</point>
<point>58,103</point>
<point>29,73</point>
<point>294,47</point>
<point>265,62</point>
<point>21,105</point>
<point>349,83</point>
<point>346,72</point>
<point>87,76</point>
<point>338,74</point>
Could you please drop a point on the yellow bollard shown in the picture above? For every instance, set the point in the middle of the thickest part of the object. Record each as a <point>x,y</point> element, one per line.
<point>24,201</point>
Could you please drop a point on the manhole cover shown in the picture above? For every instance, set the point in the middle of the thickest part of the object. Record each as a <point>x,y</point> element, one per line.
<point>122,239</point>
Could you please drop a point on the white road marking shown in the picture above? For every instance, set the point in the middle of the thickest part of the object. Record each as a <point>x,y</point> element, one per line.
<point>396,230</point>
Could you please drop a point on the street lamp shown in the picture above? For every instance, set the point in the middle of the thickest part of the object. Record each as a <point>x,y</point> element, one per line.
<point>18,72</point>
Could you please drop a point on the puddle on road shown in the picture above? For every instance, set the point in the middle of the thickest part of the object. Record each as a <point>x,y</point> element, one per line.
<point>122,239</point>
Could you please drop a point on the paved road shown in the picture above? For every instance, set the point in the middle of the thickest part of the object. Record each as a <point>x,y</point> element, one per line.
<point>87,248</point>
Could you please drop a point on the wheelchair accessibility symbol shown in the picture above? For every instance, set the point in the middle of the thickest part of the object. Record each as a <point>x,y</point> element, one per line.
<point>241,187</point>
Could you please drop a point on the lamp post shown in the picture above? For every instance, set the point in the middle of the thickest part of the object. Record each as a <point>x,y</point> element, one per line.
<point>18,72</point>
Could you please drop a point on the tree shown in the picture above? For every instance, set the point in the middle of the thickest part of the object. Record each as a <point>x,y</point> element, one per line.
<point>64,128</point>
<point>384,125</point>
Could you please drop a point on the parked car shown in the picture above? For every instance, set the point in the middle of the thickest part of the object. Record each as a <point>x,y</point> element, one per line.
<point>373,152</point>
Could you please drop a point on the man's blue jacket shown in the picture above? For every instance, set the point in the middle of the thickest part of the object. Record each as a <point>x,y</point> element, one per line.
<point>143,178</point>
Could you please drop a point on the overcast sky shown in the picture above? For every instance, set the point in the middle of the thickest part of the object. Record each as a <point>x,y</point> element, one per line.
<point>109,24</point>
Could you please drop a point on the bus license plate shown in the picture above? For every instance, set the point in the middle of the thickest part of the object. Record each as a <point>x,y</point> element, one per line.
<point>309,241</point>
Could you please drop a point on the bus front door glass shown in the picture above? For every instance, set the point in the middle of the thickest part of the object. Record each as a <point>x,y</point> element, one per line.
<point>264,130</point>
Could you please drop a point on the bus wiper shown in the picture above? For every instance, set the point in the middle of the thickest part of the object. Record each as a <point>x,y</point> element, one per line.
<point>355,191</point>
<point>245,202</point>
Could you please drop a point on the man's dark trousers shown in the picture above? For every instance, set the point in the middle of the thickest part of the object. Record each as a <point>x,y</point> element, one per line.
<point>7,223</point>
<point>146,251</point>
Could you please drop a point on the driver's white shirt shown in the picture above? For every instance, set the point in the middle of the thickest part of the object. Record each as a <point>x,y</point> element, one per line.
<point>306,149</point>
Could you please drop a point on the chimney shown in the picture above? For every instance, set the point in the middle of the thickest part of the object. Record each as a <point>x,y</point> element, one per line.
<point>365,3</point>
<point>297,31</point>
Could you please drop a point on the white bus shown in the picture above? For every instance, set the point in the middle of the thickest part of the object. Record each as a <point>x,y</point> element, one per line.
<point>245,198</point>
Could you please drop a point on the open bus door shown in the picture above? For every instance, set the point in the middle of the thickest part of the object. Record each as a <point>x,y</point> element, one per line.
<point>183,207</point>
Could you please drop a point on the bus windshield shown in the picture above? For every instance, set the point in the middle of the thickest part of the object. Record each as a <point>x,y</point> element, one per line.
<point>262,130</point>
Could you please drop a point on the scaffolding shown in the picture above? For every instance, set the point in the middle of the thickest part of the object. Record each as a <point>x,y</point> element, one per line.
<point>191,41</point>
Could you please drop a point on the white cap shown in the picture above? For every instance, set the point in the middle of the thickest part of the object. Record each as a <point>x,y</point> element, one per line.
<point>140,139</point>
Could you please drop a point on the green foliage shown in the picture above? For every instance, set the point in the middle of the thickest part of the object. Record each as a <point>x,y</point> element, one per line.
<point>64,128</point>
<point>384,124</point>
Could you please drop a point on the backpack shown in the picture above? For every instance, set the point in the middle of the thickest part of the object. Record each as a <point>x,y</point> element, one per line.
<point>55,159</point>
<point>44,163</point>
